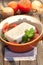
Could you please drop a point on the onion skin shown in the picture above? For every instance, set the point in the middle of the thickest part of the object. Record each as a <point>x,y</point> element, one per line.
<point>36,5</point>
<point>7,11</point>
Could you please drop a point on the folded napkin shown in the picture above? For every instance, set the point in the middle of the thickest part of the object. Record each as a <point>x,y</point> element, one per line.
<point>13,56</point>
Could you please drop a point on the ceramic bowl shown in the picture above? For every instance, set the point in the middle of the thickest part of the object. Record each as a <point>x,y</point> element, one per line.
<point>26,46</point>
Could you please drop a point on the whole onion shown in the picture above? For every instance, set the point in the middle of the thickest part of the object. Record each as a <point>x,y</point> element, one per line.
<point>7,11</point>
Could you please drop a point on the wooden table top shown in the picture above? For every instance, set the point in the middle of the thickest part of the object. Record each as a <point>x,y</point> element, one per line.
<point>39,59</point>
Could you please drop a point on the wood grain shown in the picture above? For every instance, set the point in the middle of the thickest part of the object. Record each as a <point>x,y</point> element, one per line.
<point>11,62</point>
<point>1,54</point>
<point>40,53</point>
<point>28,62</point>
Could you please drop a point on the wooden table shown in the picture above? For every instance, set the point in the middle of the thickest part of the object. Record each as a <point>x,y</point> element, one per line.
<point>39,60</point>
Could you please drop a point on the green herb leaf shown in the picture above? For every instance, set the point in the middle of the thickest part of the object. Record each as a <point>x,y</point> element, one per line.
<point>24,38</point>
<point>30,33</point>
<point>2,35</point>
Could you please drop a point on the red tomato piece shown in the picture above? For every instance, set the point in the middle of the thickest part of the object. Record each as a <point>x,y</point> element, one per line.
<point>35,36</point>
<point>5,27</point>
<point>24,5</point>
<point>12,25</point>
<point>13,5</point>
<point>36,30</point>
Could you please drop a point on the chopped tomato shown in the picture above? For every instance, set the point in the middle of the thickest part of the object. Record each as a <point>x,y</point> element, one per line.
<point>36,30</point>
<point>5,27</point>
<point>12,25</point>
<point>24,5</point>
<point>13,5</point>
<point>35,36</point>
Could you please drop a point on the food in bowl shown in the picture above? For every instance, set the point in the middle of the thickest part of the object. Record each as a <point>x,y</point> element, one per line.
<point>21,33</point>
<point>25,45</point>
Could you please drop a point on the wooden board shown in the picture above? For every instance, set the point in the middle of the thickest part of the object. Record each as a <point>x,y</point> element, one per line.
<point>40,53</point>
<point>11,63</point>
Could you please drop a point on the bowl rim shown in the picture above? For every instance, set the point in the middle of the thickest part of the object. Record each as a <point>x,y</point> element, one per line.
<point>10,43</point>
